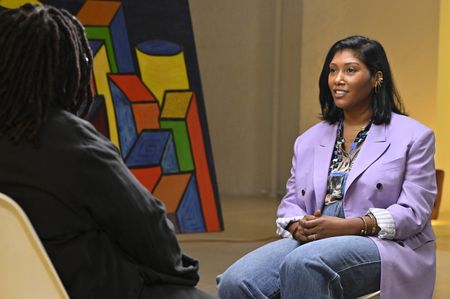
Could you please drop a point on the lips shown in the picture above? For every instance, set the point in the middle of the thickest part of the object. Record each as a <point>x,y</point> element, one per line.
<point>339,93</point>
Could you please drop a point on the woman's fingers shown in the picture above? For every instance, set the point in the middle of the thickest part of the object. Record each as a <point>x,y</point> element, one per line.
<point>313,237</point>
<point>310,223</point>
<point>300,235</point>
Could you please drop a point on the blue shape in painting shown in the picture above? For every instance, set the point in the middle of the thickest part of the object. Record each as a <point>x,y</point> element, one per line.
<point>169,161</point>
<point>125,120</point>
<point>159,47</point>
<point>150,149</point>
<point>121,44</point>
<point>95,45</point>
<point>154,148</point>
<point>189,213</point>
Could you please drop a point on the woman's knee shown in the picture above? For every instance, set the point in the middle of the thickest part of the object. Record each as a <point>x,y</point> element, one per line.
<point>327,258</point>
<point>295,262</point>
<point>256,274</point>
<point>231,284</point>
<point>305,261</point>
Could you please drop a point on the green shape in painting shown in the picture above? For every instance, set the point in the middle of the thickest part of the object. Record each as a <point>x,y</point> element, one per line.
<point>102,33</point>
<point>182,143</point>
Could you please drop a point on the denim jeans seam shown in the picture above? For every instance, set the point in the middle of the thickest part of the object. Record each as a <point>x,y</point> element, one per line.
<point>345,269</point>
<point>274,293</point>
<point>248,288</point>
<point>247,285</point>
<point>358,265</point>
<point>330,283</point>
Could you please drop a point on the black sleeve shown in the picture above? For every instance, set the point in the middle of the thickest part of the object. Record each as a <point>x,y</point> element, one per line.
<point>130,215</point>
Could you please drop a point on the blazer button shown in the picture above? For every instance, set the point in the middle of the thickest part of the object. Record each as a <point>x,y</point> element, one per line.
<point>303,192</point>
<point>379,186</point>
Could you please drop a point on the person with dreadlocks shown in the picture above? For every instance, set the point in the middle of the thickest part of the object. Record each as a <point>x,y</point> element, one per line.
<point>106,235</point>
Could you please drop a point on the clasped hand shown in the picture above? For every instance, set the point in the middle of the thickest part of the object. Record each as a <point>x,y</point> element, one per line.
<point>315,227</point>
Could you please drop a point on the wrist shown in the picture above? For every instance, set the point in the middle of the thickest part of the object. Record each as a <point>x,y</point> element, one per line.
<point>369,225</point>
<point>356,226</point>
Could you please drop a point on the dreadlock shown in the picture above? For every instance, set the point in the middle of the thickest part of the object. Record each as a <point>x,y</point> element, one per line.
<point>45,61</point>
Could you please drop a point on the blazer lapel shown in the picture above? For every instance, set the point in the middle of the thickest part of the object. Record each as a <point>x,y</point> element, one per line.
<point>322,158</point>
<point>373,147</point>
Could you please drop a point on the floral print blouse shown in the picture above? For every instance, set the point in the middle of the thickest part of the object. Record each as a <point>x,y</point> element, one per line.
<point>342,162</point>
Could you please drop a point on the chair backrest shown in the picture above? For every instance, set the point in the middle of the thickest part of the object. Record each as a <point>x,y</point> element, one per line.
<point>25,269</point>
<point>375,295</point>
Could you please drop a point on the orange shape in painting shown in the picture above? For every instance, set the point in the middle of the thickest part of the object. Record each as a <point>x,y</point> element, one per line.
<point>133,87</point>
<point>148,176</point>
<point>146,116</point>
<point>98,13</point>
<point>144,105</point>
<point>204,182</point>
<point>170,190</point>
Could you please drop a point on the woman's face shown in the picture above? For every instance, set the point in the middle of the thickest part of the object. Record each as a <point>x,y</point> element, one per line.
<point>350,82</point>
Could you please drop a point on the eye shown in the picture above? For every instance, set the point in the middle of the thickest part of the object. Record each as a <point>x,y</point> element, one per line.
<point>351,70</point>
<point>332,69</point>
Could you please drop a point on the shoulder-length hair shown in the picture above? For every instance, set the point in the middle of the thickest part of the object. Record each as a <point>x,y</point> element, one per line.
<point>385,101</point>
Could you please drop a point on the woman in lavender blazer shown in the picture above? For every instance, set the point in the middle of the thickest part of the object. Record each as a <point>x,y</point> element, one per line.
<point>356,214</point>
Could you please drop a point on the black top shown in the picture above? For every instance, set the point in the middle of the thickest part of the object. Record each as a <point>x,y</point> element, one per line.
<point>105,233</point>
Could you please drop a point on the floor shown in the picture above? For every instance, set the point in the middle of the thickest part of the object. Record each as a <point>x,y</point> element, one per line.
<point>249,223</point>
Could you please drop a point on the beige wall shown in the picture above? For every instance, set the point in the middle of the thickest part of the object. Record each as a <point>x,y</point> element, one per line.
<point>235,54</point>
<point>443,106</point>
<point>260,62</point>
<point>250,70</point>
<point>408,30</point>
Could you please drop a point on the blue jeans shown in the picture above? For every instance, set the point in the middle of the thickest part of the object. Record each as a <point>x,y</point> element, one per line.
<point>337,267</point>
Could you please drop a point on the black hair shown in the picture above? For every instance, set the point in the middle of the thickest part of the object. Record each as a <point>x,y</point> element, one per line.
<point>45,61</point>
<point>385,101</point>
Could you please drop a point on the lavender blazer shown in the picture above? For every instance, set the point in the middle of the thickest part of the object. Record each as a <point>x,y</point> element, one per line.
<point>395,171</point>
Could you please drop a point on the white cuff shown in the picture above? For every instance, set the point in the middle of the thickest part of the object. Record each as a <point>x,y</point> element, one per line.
<point>386,223</point>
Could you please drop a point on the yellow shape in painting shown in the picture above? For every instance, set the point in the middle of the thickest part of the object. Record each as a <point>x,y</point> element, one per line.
<point>10,4</point>
<point>176,104</point>
<point>101,70</point>
<point>161,73</point>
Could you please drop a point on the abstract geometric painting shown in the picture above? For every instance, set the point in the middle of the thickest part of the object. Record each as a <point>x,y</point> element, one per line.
<point>149,102</point>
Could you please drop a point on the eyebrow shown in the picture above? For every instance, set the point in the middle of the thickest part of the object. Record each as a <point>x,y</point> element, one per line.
<point>347,63</point>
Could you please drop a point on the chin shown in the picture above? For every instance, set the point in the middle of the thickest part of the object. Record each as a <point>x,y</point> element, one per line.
<point>340,104</point>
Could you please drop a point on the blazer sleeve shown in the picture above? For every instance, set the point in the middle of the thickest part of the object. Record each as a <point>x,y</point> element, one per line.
<point>413,209</point>
<point>290,205</point>
<point>129,214</point>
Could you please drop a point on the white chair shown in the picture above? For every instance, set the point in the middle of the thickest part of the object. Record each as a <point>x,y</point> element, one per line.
<point>25,269</point>
<point>375,295</point>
